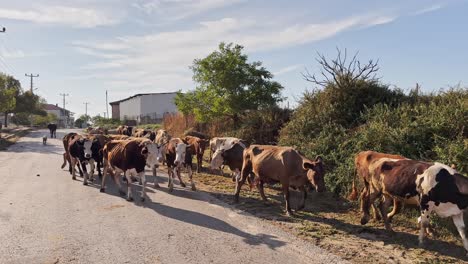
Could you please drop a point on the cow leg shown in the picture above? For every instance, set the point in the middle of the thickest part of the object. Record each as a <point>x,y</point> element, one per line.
<point>143,185</point>
<point>262,191</point>
<point>424,223</point>
<point>460,224</point>
<point>396,209</point>
<point>103,180</point>
<point>190,173</point>
<point>73,168</point>
<point>171,179</point>
<point>64,160</point>
<point>246,170</point>
<point>79,168</point>
<point>92,167</point>
<point>366,204</point>
<point>85,172</point>
<point>180,177</point>
<point>304,197</point>
<point>286,199</point>
<point>129,187</point>
<point>384,205</point>
<point>156,184</point>
<point>99,166</point>
<point>375,212</point>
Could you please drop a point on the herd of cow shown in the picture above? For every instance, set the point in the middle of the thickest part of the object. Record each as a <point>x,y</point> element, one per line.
<point>389,179</point>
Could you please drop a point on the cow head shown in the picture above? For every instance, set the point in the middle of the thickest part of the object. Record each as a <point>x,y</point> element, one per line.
<point>180,150</point>
<point>86,144</point>
<point>217,160</point>
<point>315,173</point>
<point>152,153</point>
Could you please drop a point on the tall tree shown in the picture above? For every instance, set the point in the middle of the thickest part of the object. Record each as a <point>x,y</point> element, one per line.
<point>9,90</point>
<point>228,85</point>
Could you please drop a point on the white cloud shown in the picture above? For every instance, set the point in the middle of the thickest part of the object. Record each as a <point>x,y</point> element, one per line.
<point>180,9</point>
<point>163,58</point>
<point>288,69</point>
<point>69,16</point>
<point>428,9</point>
<point>20,54</point>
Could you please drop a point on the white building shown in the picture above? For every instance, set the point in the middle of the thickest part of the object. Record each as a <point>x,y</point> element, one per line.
<point>144,108</point>
<point>64,117</point>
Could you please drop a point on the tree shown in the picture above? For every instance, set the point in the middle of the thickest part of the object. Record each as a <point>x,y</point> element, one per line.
<point>228,85</point>
<point>83,119</point>
<point>9,89</point>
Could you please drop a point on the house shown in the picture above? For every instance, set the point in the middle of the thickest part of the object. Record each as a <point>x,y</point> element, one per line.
<point>144,108</point>
<point>64,117</point>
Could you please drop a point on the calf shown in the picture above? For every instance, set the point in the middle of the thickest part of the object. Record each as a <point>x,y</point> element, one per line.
<point>131,157</point>
<point>284,165</point>
<point>108,147</point>
<point>394,180</point>
<point>197,147</point>
<point>444,191</point>
<point>363,162</point>
<point>178,157</point>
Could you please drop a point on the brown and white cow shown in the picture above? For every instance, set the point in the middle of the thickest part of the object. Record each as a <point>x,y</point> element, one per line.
<point>363,162</point>
<point>197,147</point>
<point>444,191</point>
<point>108,147</point>
<point>67,140</point>
<point>178,157</point>
<point>131,158</point>
<point>162,139</point>
<point>394,179</point>
<point>284,165</point>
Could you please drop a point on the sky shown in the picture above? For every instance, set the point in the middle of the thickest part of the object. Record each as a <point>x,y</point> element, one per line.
<point>87,47</point>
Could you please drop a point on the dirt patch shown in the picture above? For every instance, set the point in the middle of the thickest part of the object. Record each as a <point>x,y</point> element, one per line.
<point>333,224</point>
<point>9,137</point>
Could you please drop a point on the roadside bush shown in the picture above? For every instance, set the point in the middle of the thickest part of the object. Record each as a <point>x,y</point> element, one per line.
<point>107,123</point>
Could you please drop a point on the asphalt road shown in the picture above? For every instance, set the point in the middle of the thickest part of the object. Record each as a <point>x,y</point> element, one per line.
<point>46,217</point>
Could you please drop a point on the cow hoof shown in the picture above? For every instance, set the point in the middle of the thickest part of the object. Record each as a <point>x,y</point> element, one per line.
<point>85,183</point>
<point>183,184</point>
<point>289,213</point>
<point>170,189</point>
<point>156,185</point>
<point>73,178</point>
<point>63,166</point>
<point>142,199</point>
<point>236,199</point>
<point>122,193</point>
<point>140,183</point>
<point>193,187</point>
<point>103,190</point>
<point>130,199</point>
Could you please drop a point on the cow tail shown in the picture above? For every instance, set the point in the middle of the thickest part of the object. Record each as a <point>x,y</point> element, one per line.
<point>354,192</point>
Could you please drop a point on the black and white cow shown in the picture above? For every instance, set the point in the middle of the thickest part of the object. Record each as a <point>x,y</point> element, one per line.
<point>445,191</point>
<point>81,152</point>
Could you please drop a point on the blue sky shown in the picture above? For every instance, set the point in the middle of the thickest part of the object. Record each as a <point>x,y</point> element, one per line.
<point>86,47</point>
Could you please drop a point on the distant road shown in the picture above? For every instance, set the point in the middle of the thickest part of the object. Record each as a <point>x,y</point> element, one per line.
<point>46,217</point>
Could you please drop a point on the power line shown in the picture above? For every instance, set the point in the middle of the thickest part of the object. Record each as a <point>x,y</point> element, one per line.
<point>31,76</point>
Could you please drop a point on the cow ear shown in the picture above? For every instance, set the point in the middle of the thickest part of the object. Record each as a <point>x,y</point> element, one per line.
<point>144,150</point>
<point>307,165</point>
<point>319,159</point>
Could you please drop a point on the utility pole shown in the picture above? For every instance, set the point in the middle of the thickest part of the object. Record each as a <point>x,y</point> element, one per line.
<point>107,106</point>
<point>64,110</point>
<point>31,76</point>
<point>86,107</point>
